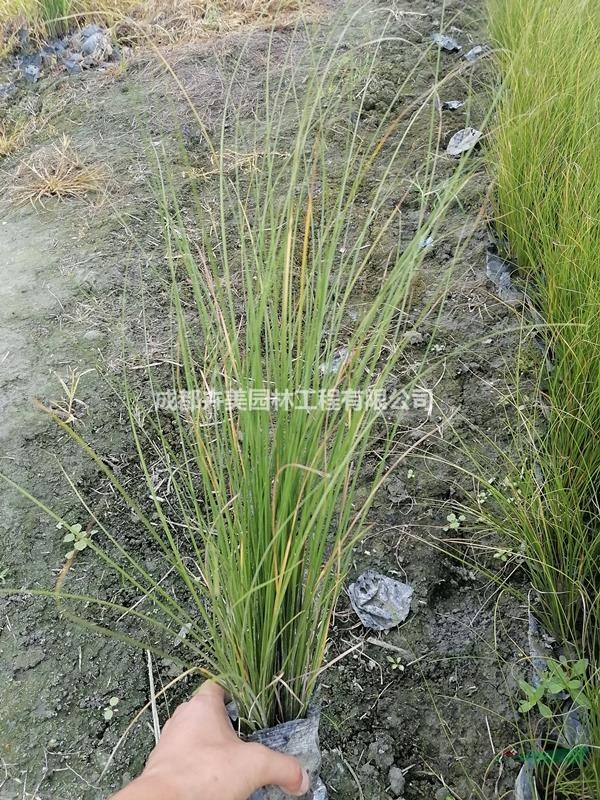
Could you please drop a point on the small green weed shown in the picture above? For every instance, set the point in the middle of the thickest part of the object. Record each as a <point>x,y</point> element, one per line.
<point>395,663</point>
<point>454,521</point>
<point>77,537</point>
<point>560,677</point>
<point>110,708</point>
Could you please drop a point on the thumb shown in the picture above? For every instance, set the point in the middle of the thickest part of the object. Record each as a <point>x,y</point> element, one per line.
<point>280,770</point>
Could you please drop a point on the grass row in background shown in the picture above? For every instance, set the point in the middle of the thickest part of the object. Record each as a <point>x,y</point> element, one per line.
<point>164,21</point>
<point>548,207</point>
<point>53,16</point>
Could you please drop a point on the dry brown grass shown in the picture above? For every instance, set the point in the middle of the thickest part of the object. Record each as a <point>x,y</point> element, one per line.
<point>161,22</point>
<point>55,170</point>
<point>12,137</point>
<point>164,23</point>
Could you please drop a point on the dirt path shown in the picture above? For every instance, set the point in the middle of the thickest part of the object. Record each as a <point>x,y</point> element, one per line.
<point>64,267</point>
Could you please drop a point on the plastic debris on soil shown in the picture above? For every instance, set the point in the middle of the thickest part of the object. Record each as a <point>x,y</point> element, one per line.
<point>426,241</point>
<point>500,272</point>
<point>380,602</point>
<point>446,43</point>
<point>525,788</point>
<point>30,66</point>
<point>336,362</point>
<point>538,476</point>
<point>463,141</point>
<point>7,90</point>
<point>183,632</point>
<point>299,738</point>
<point>539,650</point>
<point>450,105</point>
<point>545,350</point>
<point>477,52</point>
<point>574,731</point>
<point>90,47</point>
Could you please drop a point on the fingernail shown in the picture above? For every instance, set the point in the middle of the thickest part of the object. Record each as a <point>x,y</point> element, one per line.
<point>305,785</point>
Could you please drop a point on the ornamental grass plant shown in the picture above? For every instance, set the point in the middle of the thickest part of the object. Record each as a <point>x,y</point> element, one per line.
<point>545,154</point>
<point>263,446</point>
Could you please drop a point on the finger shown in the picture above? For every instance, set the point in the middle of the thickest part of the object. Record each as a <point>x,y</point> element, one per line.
<point>209,702</point>
<point>211,689</point>
<point>277,769</point>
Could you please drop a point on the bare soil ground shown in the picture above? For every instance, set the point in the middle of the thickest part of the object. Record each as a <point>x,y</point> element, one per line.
<point>443,716</point>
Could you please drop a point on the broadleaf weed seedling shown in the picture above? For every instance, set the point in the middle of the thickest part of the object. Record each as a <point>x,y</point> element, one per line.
<point>395,663</point>
<point>109,710</point>
<point>454,521</point>
<point>77,537</point>
<point>559,678</point>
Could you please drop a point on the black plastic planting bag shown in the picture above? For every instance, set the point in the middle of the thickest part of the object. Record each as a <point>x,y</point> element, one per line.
<point>299,738</point>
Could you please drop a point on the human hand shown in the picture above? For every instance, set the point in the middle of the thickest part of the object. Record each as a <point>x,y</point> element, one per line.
<point>200,757</point>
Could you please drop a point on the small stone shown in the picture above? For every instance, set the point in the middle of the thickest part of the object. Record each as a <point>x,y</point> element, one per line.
<point>396,780</point>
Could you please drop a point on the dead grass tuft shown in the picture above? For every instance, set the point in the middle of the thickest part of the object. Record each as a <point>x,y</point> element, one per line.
<point>12,137</point>
<point>56,171</point>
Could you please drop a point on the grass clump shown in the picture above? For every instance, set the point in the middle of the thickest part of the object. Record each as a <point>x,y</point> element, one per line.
<point>55,170</point>
<point>548,197</point>
<point>54,15</point>
<point>288,327</point>
<point>12,137</point>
